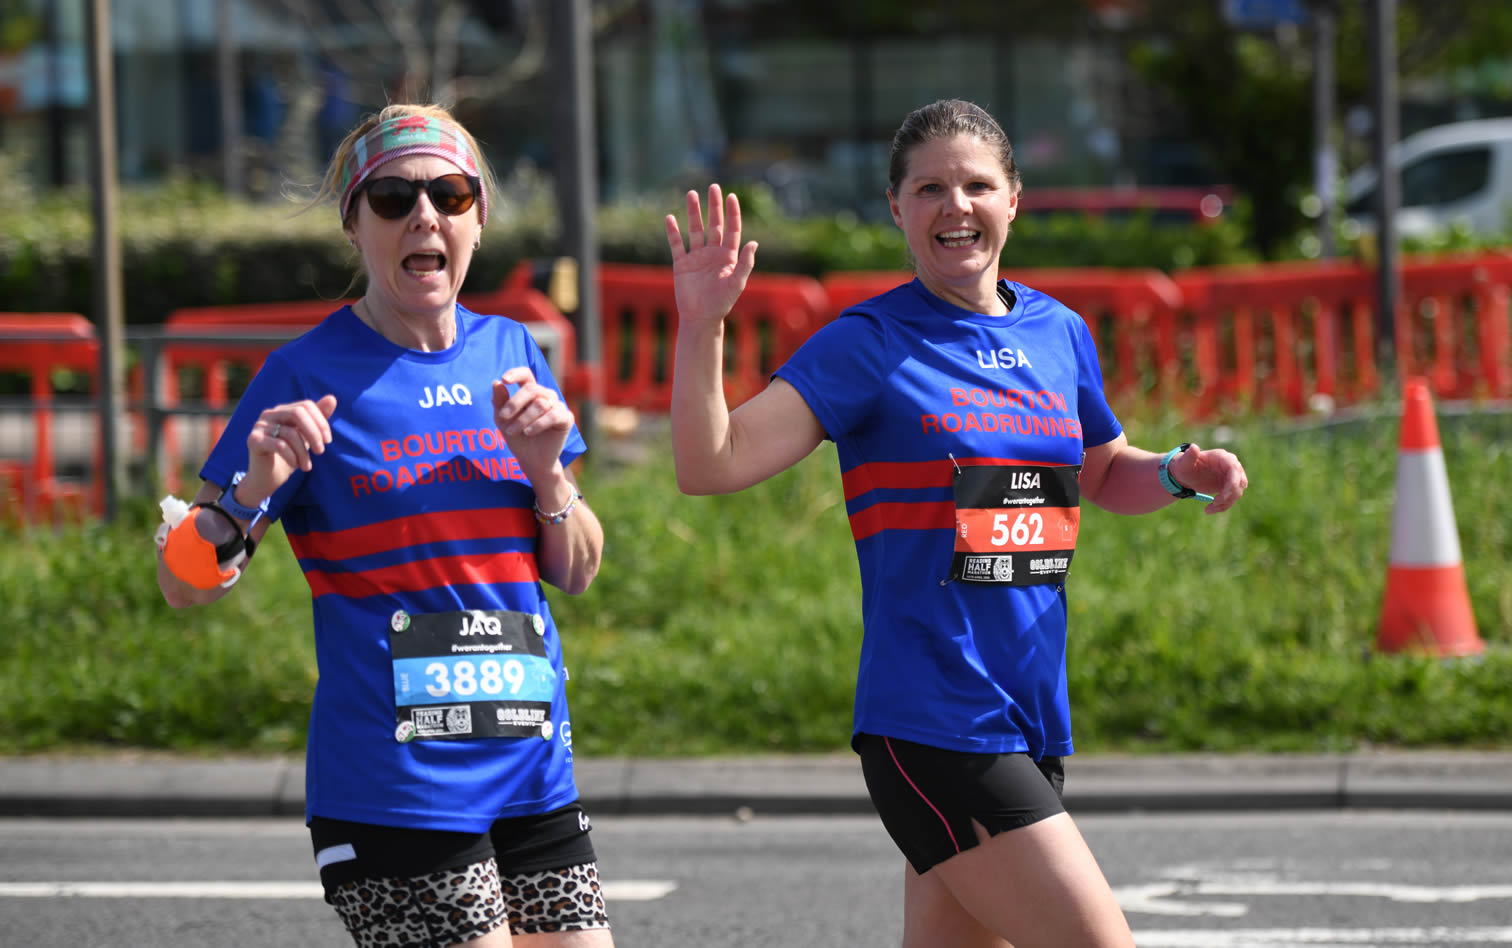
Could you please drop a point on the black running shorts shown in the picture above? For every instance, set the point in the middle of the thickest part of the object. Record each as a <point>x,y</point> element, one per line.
<point>349,851</point>
<point>433,889</point>
<point>928,797</point>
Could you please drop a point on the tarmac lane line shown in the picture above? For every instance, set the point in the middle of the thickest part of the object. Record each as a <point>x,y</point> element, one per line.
<point>623,890</point>
<point>1170,898</point>
<point>1338,937</point>
<point>162,890</point>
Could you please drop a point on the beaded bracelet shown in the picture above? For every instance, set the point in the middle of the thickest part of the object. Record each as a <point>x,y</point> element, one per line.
<point>560,515</point>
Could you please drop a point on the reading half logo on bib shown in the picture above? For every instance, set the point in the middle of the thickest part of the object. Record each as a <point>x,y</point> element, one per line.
<point>998,569</point>
<point>430,722</point>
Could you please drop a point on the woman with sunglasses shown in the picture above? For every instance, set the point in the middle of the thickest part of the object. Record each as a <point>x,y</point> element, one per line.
<point>418,456</point>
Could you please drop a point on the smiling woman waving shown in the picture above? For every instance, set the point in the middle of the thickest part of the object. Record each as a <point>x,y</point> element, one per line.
<point>417,454</point>
<point>970,422</point>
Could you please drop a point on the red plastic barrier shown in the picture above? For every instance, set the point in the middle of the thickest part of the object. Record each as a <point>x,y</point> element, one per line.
<point>1281,333</point>
<point>1135,317</point>
<point>1255,325</point>
<point>1457,329</point>
<point>31,488</point>
<point>774,316</point>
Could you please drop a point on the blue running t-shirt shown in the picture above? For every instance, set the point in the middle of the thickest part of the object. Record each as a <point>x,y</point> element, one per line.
<point>417,508</point>
<point>912,390</point>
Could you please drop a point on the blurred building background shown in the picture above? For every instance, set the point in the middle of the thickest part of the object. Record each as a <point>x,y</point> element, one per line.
<point>799,94</point>
<point>803,98</point>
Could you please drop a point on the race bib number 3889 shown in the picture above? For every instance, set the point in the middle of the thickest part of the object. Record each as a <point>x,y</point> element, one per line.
<point>473,673</point>
<point>1016,524</point>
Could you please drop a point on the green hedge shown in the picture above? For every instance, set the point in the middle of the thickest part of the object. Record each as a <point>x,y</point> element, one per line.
<point>183,244</point>
<point>730,624</point>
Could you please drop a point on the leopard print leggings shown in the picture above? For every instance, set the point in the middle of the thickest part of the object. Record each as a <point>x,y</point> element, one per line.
<point>444,908</point>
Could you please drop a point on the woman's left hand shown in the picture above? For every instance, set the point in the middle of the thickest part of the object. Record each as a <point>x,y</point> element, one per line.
<point>534,421</point>
<point>1215,471</point>
<point>709,276</point>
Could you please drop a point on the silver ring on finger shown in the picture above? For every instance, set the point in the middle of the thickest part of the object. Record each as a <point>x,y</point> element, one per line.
<point>273,431</point>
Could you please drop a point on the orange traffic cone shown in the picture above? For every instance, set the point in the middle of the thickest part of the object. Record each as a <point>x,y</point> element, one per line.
<point>1427,605</point>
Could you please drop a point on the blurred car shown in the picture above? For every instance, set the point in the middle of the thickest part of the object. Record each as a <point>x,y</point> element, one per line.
<point>1455,174</point>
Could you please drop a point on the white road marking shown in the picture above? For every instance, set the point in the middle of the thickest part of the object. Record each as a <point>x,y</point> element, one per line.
<point>1167,898</point>
<point>625,890</point>
<point>1293,937</point>
<point>638,890</point>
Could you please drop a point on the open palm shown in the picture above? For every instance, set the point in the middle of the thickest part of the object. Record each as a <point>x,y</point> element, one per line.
<point>709,275</point>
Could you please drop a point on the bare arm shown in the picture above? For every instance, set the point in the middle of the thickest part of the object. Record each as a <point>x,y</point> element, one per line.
<point>567,553</point>
<point>1123,479</point>
<point>716,451</point>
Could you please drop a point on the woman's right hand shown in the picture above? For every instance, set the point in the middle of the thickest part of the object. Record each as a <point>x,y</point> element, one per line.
<point>710,274</point>
<point>282,439</point>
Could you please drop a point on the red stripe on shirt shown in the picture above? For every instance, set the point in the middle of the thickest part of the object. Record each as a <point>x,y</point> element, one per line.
<point>930,515</point>
<point>401,532</point>
<point>899,474</point>
<point>426,574</point>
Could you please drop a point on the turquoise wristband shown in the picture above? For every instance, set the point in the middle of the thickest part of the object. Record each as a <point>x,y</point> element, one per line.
<point>1176,490</point>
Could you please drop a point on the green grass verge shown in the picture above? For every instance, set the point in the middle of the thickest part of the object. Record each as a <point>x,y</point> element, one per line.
<point>730,624</point>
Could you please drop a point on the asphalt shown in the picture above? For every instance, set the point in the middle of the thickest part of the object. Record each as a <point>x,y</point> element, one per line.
<point>156,785</point>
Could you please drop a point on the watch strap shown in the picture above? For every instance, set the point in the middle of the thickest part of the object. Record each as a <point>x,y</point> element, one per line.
<point>1179,491</point>
<point>227,502</point>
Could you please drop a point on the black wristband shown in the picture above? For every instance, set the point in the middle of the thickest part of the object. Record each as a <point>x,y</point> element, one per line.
<point>239,541</point>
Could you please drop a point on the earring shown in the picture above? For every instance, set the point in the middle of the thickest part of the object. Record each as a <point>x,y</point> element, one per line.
<point>477,243</point>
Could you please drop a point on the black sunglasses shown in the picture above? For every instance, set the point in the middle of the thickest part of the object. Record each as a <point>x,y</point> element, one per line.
<point>393,198</point>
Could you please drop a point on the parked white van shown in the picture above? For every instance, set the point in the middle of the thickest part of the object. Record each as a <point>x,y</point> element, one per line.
<point>1456,173</point>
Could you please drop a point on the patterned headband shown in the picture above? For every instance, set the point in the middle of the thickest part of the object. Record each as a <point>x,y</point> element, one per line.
<point>408,135</point>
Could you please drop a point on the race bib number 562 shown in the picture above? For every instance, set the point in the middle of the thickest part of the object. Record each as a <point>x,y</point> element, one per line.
<point>1016,524</point>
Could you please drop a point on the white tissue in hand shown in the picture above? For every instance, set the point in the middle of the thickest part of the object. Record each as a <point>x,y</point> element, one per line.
<point>174,510</point>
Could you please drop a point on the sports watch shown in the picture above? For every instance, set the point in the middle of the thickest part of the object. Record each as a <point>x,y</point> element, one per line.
<point>227,502</point>
<point>1179,491</point>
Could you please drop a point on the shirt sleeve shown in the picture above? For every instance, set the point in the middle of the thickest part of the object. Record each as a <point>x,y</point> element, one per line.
<point>275,383</point>
<point>840,369</point>
<point>1099,424</point>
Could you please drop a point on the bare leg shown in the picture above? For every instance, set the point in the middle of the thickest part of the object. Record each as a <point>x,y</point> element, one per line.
<point>932,918</point>
<point>499,938</point>
<point>1037,887</point>
<point>594,938</point>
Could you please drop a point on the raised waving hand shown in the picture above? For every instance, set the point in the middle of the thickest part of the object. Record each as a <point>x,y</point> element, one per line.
<point>709,275</point>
